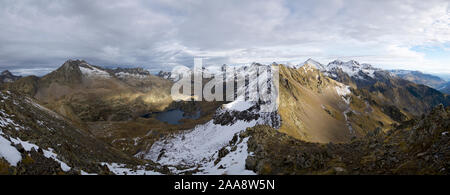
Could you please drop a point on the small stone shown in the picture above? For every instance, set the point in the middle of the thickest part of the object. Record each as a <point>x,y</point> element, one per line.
<point>250,163</point>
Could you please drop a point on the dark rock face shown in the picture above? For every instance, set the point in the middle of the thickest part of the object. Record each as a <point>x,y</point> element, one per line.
<point>230,117</point>
<point>394,113</point>
<point>8,77</point>
<point>226,117</point>
<point>68,73</point>
<point>414,147</point>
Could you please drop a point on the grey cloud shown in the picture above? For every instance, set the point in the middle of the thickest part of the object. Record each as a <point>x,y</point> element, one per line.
<point>163,33</point>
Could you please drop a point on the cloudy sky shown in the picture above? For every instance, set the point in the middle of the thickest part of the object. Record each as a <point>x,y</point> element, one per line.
<point>37,36</point>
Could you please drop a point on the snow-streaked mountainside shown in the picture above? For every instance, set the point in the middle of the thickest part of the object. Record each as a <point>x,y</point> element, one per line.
<point>395,89</point>
<point>367,72</point>
<point>352,68</point>
<point>92,71</point>
<point>314,64</point>
<point>200,148</point>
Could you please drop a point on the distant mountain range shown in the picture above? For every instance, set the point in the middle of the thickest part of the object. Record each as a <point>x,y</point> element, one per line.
<point>424,79</point>
<point>394,89</point>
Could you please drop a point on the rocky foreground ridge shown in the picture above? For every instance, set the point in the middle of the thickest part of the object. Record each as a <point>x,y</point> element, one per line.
<point>413,147</point>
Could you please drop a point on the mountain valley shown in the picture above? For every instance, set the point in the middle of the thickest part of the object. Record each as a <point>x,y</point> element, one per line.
<point>340,118</point>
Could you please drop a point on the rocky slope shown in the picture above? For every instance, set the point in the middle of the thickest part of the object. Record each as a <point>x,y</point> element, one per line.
<point>414,147</point>
<point>84,92</point>
<point>35,140</point>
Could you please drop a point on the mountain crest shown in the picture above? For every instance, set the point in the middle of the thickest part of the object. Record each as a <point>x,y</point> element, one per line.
<point>6,73</point>
<point>69,72</point>
<point>72,64</point>
<point>7,77</point>
<point>338,62</point>
<point>314,64</point>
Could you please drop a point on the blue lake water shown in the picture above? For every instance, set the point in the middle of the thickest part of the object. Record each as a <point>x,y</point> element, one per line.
<point>172,117</point>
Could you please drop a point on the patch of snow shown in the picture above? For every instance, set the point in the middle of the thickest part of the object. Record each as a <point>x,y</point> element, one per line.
<point>86,173</point>
<point>4,96</point>
<point>5,121</point>
<point>136,140</point>
<point>91,71</point>
<point>9,152</point>
<point>120,169</point>
<point>129,75</point>
<point>238,105</point>
<point>231,164</point>
<point>193,147</point>
<point>343,90</point>
<point>27,146</point>
<point>50,154</point>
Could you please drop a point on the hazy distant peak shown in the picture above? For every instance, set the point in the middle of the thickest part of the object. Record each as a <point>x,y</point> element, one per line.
<point>6,77</point>
<point>6,73</point>
<point>314,64</point>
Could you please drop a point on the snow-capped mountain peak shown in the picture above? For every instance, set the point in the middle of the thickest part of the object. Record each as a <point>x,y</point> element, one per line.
<point>314,64</point>
<point>352,68</point>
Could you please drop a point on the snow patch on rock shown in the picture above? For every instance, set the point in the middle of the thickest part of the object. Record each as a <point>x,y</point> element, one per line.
<point>9,152</point>
<point>91,71</point>
<point>27,146</point>
<point>121,169</point>
<point>343,90</point>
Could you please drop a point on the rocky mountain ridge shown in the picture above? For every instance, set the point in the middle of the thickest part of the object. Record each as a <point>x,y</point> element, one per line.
<point>8,77</point>
<point>323,125</point>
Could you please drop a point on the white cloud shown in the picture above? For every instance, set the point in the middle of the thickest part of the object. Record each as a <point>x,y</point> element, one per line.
<point>162,33</point>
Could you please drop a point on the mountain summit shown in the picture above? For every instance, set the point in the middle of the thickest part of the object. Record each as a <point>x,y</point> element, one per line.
<point>8,77</point>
